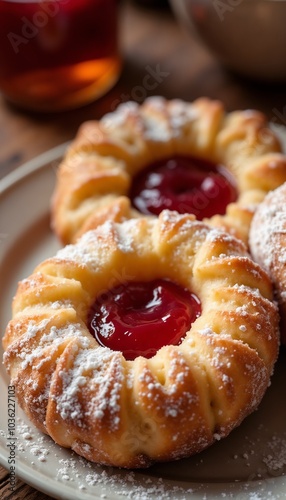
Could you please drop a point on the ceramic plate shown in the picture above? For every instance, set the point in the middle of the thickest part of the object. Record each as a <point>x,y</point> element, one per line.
<point>249,464</point>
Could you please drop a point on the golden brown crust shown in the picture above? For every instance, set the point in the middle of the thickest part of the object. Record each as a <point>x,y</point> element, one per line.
<point>132,413</point>
<point>96,174</point>
<point>268,245</point>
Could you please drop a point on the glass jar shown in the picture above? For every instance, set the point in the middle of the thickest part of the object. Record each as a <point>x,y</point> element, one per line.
<point>57,54</point>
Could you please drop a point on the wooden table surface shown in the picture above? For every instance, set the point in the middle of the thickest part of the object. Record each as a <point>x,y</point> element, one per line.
<point>150,38</point>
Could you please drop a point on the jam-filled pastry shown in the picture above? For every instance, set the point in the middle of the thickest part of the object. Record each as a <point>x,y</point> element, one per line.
<point>145,341</point>
<point>268,245</point>
<point>189,157</point>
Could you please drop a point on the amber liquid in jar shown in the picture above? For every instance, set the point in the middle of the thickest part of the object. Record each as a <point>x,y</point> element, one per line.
<point>57,54</point>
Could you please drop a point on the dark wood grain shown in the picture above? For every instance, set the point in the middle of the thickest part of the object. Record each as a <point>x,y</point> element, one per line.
<point>22,490</point>
<point>150,39</point>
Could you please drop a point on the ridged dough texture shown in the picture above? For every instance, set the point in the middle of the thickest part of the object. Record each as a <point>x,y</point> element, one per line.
<point>95,176</point>
<point>268,245</point>
<point>133,413</point>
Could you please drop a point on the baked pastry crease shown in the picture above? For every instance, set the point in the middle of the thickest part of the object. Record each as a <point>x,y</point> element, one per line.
<point>180,401</point>
<point>95,177</point>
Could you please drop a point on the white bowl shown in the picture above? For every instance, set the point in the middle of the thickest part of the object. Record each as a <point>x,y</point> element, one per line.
<point>248,36</point>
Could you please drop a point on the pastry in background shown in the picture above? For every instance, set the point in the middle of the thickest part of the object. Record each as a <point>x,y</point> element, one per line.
<point>189,157</point>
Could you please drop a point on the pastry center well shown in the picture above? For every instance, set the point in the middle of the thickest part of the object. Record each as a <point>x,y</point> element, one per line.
<point>138,318</point>
<point>187,185</point>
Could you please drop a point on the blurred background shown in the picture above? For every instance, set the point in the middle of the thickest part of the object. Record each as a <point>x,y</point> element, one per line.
<point>232,50</point>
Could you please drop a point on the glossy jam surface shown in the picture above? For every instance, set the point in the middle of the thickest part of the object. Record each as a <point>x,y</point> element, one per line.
<point>139,318</point>
<point>187,185</point>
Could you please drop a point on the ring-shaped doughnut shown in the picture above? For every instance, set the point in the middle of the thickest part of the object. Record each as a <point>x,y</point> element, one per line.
<point>96,174</point>
<point>133,413</point>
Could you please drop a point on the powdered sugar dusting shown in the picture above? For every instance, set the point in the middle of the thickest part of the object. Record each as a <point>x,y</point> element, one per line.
<point>170,218</point>
<point>275,460</point>
<point>83,479</point>
<point>91,369</point>
<point>268,224</point>
<point>52,336</point>
<point>157,130</point>
<point>78,253</point>
<point>119,117</point>
<point>181,115</point>
<point>93,248</point>
<point>267,242</point>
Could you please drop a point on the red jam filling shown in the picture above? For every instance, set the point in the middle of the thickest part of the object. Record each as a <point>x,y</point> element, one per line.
<point>187,185</point>
<point>139,318</point>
